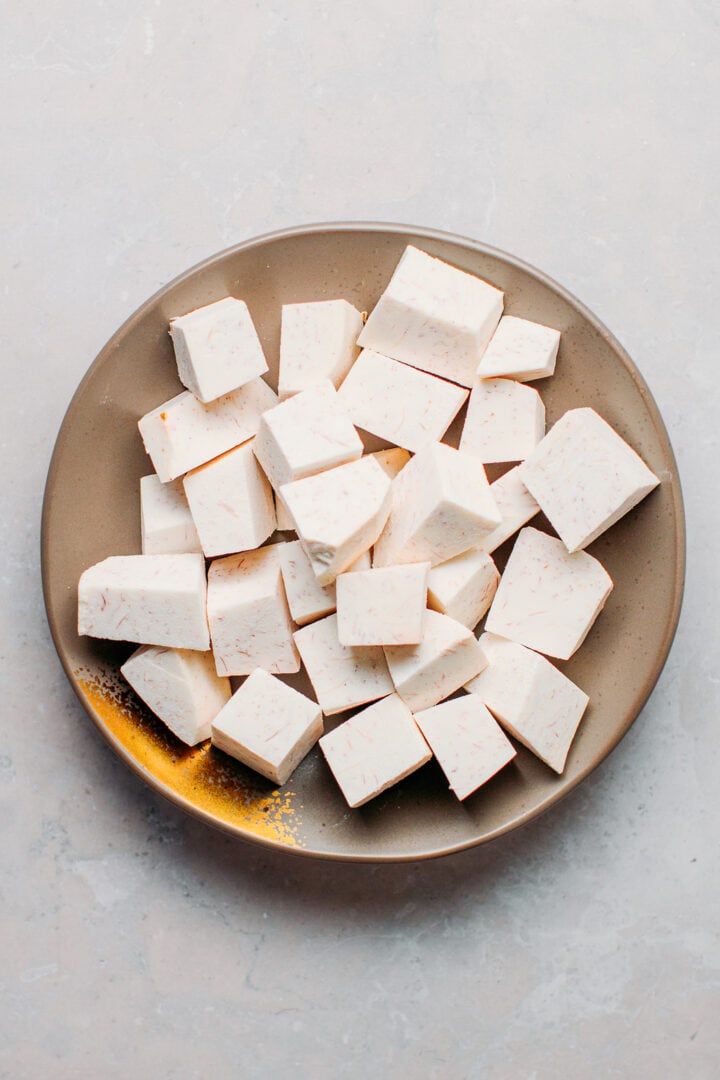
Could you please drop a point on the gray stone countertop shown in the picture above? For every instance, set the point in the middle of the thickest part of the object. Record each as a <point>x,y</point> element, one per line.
<point>139,137</point>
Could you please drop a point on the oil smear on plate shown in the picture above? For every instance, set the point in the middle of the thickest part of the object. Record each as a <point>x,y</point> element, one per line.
<point>201,775</point>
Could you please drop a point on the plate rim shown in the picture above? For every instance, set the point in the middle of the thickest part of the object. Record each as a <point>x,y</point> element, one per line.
<point>679,522</point>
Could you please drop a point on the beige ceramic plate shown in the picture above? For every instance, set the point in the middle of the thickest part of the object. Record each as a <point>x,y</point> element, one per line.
<point>92,510</point>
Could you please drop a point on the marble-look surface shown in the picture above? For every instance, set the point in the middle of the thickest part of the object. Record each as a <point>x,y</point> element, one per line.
<point>139,137</point>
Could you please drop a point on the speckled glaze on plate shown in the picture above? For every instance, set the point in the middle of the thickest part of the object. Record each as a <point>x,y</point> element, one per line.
<point>91,510</point>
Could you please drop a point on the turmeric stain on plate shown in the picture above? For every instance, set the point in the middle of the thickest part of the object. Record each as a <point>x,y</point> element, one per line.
<point>201,775</point>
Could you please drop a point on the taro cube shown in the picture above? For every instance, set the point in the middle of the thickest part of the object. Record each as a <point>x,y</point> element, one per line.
<point>152,599</point>
<point>217,348</point>
<point>585,477</point>
<point>374,749</point>
<point>547,598</point>
<point>250,623</point>
<point>385,606</point>
<point>427,673</point>
<point>342,676</point>
<point>463,587</point>
<point>181,687</point>
<point>505,421</point>
<point>183,433</point>
<point>339,514</point>
<point>469,745</point>
<point>231,502</point>
<point>317,341</point>
<point>166,524</point>
<point>268,726</point>
<point>398,403</point>
<point>537,704</point>
<point>515,505</point>
<point>305,435</point>
<point>441,506</point>
<point>435,317</point>
<point>520,349</point>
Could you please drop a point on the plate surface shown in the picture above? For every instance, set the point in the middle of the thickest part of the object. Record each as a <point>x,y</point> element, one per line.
<point>91,510</point>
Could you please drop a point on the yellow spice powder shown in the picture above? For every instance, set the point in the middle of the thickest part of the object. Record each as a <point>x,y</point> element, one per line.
<point>201,775</point>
